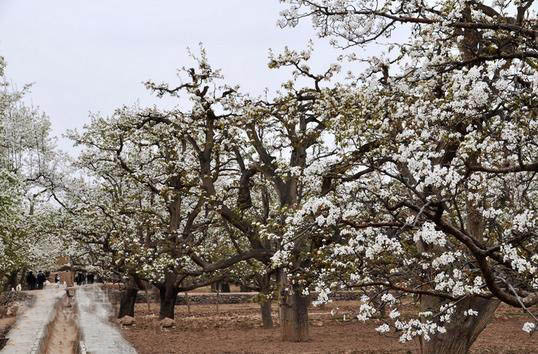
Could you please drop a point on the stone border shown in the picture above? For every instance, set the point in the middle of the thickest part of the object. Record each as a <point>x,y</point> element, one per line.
<point>222,298</point>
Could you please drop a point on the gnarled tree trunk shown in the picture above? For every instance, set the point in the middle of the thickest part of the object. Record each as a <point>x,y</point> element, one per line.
<point>168,295</point>
<point>462,330</point>
<point>265,302</point>
<point>267,318</point>
<point>293,312</point>
<point>128,299</point>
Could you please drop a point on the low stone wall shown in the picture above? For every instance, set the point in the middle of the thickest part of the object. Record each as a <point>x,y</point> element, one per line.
<point>222,298</point>
<point>197,298</point>
<point>211,298</point>
<point>345,296</point>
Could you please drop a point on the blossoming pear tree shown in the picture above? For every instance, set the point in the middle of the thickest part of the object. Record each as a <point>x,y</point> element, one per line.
<point>27,156</point>
<point>177,241</point>
<point>435,195</point>
<point>272,148</point>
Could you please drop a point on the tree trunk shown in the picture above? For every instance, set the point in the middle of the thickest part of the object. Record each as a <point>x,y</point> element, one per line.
<point>128,298</point>
<point>267,318</point>
<point>168,295</point>
<point>462,330</point>
<point>224,287</point>
<point>265,301</point>
<point>293,312</point>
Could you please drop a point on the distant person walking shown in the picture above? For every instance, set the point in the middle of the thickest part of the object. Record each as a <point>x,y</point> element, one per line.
<point>31,280</point>
<point>80,279</point>
<point>40,279</point>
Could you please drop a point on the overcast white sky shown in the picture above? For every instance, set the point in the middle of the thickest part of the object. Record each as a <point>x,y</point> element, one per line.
<point>93,55</point>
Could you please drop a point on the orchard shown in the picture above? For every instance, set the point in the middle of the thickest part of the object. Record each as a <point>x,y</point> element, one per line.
<point>407,178</point>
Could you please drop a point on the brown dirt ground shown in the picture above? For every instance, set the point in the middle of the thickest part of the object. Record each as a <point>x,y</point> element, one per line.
<point>5,325</point>
<point>7,299</point>
<point>236,329</point>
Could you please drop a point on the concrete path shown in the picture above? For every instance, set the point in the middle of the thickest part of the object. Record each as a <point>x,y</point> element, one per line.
<point>98,335</point>
<point>28,332</point>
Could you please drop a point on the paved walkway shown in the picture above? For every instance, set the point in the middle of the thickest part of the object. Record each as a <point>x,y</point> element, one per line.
<point>98,335</point>
<point>26,335</point>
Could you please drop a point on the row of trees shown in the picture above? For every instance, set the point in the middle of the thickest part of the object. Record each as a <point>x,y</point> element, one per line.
<point>414,179</point>
<point>28,165</point>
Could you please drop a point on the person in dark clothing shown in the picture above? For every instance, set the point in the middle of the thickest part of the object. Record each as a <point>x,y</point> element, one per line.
<point>90,278</point>
<point>31,280</point>
<point>80,279</point>
<point>40,279</point>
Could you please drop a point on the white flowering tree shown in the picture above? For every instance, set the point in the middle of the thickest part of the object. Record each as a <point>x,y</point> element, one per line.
<point>105,219</point>
<point>436,193</point>
<point>144,218</point>
<point>173,241</point>
<point>288,141</point>
<point>271,152</point>
<point>27,161</point>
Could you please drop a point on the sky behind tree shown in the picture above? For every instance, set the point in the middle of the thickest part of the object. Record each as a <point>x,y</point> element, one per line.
<point>92,56</point>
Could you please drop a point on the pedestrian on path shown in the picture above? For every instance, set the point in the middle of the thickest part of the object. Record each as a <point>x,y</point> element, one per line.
<point>40,279</point>
<point>31,280</point>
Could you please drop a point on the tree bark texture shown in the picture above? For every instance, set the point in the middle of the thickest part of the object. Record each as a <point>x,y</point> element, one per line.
<point>462,330</point>
<point>267,318</point>
<point>128,299</point>
<point>168,295</point>
<point>293,313</point>
<point>127,302</point>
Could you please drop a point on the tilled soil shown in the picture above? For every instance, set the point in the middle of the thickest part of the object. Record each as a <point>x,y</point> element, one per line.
<point>236,329</point>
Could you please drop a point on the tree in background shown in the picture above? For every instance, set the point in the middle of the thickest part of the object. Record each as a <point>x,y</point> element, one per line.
<point>27,161</point>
